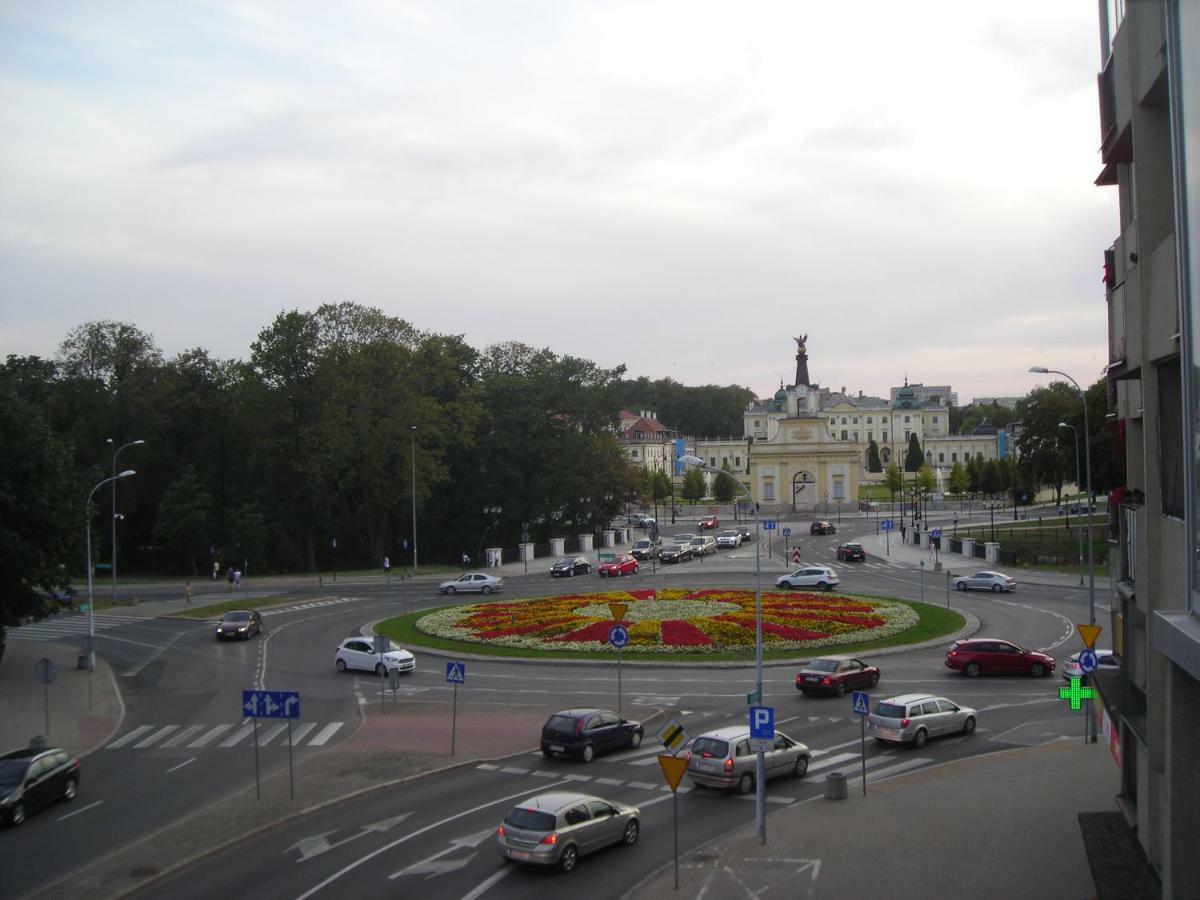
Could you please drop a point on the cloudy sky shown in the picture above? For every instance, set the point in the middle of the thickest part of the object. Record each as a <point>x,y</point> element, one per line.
<point>679,187</point>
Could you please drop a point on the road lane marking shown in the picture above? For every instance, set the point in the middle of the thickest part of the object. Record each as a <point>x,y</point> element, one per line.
<point>480,889</point>
<point>513,770</point>
<point>886,772</point>
<point>181,737</point>
<point>611,782</point>
<point>299,733</point>
<point>136,670</point>
<point>272,733</point>
<point>325,734</point>
<point>832,761</point>
<point>487,767</point>
<point>642,785</point>
<point>81,809</point>
<point>154,738</point>
<point>133,735</point>
<point>181,765</point>
<point>209,735</point>
<point>238,735</point>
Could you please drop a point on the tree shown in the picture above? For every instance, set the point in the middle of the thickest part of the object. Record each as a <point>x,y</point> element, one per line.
<point>913,458</point>
<point>974,475</point>
<point>925,479</point>
<point>725,489</point>
<point>693,486</point>
<point>873,462</point>
<point>958,479</point>
<point>989,477</point>
<point>893,480</point>
<point>660,489</point>
<point>1044,447</point>
<point>185,516</point>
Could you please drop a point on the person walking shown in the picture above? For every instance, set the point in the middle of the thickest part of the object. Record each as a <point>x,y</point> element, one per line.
<point>216,569</point>
<point>387,566</point>
<point>237,579</point>
<point>229,577</point>
<point>187,593</point>
<point>466,561</point>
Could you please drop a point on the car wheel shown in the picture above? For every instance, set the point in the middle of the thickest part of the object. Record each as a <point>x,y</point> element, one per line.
<point>380,669</point>
<point>1037,670</point>
<point>971,670</point>
<point>996,589</point>
<point>874,679</point>
<point>549,754</point>
<point>745,784</point>
<point>635,740</point>
<point>969,725</point>
<point>486,589</point>
<point>822,585</point>
<point>801,767</point>
<point>960,585</point>
<point>452,590</point>
<point>841,689</point>
<point>630,835</point>
<point>571,572</point>
<point>805,693</point>
<point>588,753</point>
<point>17,815</point>
<point>341,665</point>
<point>569,857</point>
<point>70,789</point>
<point>587,570</point>
<point>920,738</point>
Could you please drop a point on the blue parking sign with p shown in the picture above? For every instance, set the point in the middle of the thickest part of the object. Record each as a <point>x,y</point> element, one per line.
<point>762,722</point>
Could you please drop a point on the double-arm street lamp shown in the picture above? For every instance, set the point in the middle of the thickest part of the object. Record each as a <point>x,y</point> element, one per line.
<point>490,513</point>
<point>116,453</point>
<point>413,454</point>
<point>760,804</point>
<point>87,508</point>
<point>1079,559</point>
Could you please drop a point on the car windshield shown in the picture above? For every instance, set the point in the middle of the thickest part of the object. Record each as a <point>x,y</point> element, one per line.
<point>237,617</point>
<point>530,819</point>
<point>889,710</point>
<point>566,561</point>
<point>707,746</point>
<point>823,665</point>
<point>12,771</point>
<point>641,545</point>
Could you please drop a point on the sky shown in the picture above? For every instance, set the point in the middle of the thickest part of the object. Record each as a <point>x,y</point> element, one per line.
<point>676,187</point>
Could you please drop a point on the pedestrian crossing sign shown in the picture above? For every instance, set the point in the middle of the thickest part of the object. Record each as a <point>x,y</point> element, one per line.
<point>862,703</point>
<point>456,673</point>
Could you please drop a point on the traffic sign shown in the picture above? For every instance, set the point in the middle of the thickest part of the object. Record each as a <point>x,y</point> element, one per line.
<point>861,703</point>
<point>768,524</point>
<point>271,704</point>
<point>795,554</point>
<point>456,673</point>
<point>787,532</point>
<point>1088,661</point>
<point>753,697</point>
<point>618,636</point>
<point>672,735</point>
<point>1089,633</point>
<point>618,610</point>
<point>936,533</point>
<point>887,525</point>
<point>45,671</point>
<point>762,728</point>
<point>673,768</point>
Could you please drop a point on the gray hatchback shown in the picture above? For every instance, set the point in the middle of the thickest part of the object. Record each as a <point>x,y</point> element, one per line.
<point>914,718</point>
<point>723,759</point>
<point>557,828</point>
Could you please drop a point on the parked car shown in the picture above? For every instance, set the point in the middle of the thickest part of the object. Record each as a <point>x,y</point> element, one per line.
<point>821,577</point>
<point>359,653</point>
<point>914,718</point>
<point>723,759</point>
<point>638,520</point>
<point>745,531</point>
<point>709,522</point>
<point>479,582</point>
<point>729,539</point>
<point>852,552</point>
<point>836,675</point>
<point>985,581</point>
<point>239,623</point>
<point>1077,508</point>
<point>976,656</point>
<point>1106,659</point>
<point>555,829</point>
<point>822,528</point>
<point>586,732</point>
<point>31,778</point>
<point>647,548</point>
<point>570,566</point>
<point>703,545</point>
<point>682,538</point>
<point>676,553</point>
<point>622,565</point>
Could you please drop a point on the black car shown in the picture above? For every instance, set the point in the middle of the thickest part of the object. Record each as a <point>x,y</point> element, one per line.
<point>239,623</point>
<point>676,553</point>
<point>571,565</point>
<point>586,732</point>
<point>852,553</point>
<point>822,528</point>
<point>33,778</point>
<point>745,532</point>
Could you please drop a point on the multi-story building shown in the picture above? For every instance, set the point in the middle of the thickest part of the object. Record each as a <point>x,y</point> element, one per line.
<point>1149,90</point>
<point>648,443</point>
<point>939,394</point>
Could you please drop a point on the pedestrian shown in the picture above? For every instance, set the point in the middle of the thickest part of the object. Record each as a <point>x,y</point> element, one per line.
<point>466,561</point>
<point>187,593</point>
<point>229,577</point>
<point>216,569</point>
<point>387,566</point>
<point>237,579</point>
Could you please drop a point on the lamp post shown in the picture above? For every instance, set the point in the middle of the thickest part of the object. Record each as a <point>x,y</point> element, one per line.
<point>116,453</point>
<point>491,512</point>
<point>1079,559</point>
<point>413,454</point>
<point>760,804</point>
<point>87,508</point>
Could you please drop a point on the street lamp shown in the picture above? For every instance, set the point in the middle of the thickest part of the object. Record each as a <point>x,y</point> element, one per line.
<point>1079,559</point>
<point>413,454</point>
<point>760,804</point>
<point>492,512</point>
<point>116,453</point>
<point>87,509</point>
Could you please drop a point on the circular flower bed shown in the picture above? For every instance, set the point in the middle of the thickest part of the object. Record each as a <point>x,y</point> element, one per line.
<point>672,621</point>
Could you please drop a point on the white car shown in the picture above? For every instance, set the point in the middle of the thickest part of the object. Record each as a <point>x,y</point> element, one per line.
<point>472,581</point>
<point>985,581</point>
<point>359,653</point>
<point>821,577</point>
<point>729,539</point>
<point>1106,658</point>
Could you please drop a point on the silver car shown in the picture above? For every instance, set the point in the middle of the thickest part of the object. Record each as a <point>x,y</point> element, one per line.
<point>472,582</point>
<point>557,828</point>
<point>729,539</point>
<point>915,718</point>
<point>723,759</point>
<point>821,577</point>
<point>985,581</point>
<point>703,545</point>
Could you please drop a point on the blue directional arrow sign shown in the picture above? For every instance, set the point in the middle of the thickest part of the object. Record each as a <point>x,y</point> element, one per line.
<point>1088,661</point>
<point>887,525</point>
<point>861,703</point>
<point>618,636</point>
<point>271,704</point>
<point>456,673</point>
<point>768,524</point>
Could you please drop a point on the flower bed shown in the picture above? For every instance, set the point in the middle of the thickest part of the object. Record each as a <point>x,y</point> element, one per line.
<point>672,621</point>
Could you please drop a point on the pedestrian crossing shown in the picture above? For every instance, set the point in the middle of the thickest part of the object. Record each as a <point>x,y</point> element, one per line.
<point>68,625</point>
<point>223,736</point>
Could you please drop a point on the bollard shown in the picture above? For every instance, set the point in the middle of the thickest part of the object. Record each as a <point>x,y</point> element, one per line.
<point>835,786</point>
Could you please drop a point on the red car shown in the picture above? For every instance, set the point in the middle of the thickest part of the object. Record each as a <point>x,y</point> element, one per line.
<point>852,552</point>
<point>622,565</point>
<point>836,675</point>
<point>710,522</point>
<point>986,655</point>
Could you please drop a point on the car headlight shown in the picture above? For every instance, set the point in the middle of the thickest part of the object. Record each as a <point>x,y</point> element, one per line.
<point>242,628</point>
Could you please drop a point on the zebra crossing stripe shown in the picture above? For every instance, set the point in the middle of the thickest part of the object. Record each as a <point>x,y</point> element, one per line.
<point>238,735</point>
<point>325,734</point>
<point>156,737</point>
<point>209,735</point>
<point>271,733</point>
<point>181,737</point>
<point>832,761</point>
<point>132,736</point>
<point>876,774</point>
<point>299,733</point>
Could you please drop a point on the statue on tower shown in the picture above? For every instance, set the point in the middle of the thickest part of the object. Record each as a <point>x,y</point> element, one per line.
<point>800,342</point>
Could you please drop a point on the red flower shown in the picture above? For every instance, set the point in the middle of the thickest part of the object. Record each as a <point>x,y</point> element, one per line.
<point>676,632</point>
<point>597,631</point>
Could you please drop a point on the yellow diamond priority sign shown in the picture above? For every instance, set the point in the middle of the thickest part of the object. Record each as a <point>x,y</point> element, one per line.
<point>1089,633</point>
<point>673,767</point>
<point>618,610</point>
<point>672,735</point>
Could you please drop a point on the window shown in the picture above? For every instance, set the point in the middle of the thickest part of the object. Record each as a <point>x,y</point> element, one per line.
<point>712,461</point>
<point>634,453</point>
<point>907,434</point>
<point>743,748</point>
<point>576,814</point>
<point>737,461</point>
<point>839,491</point>
<point>906,420</point>
<point>869,420</point>
<point>758,423</point>
<point>935,420</point>
<point>941,456</point>
<point>946,706</point>
<point>833,421</point>
<point>599,809</point>
<point>1170,438</point>
<point>954,456</point>
<point>870,435</point>
<point>885,437</point>
<point>768,490</point>
<point>844,435</point>
<point>854,420</point>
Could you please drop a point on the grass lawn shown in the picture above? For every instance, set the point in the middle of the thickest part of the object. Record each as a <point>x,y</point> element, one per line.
<point>935,621</point>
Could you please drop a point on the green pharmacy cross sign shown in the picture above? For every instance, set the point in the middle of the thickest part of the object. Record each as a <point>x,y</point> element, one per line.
<point>1076,694</point>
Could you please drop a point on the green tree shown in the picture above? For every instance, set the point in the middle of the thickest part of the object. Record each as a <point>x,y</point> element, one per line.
<point>926,480</point>
<point>893,480</point>
<point>660,489</point>
<point>958,479</point>
<point>185,516</point>
<point>725,488</point>
<point>1044,447</point>
<point>913,458</point>
<point>989,477</point>
<point>693,486</point>
<point>873,462</point>
<point>974,475</point>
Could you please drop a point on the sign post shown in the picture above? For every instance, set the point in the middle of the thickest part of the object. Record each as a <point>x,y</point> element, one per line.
<point>673,768</point>
<point>762,741</point>
<point>45,671</point>
<point>860,702</point>
<point>1088,633</point>
<point>618,636</point>
<point>887,525</point>
<point>382,644</point>
<point>456,674</point>
<point>768,525</point>
<point>272,705</point>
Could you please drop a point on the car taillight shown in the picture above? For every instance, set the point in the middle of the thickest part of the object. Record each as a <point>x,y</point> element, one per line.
<point>579,726</point>
<point>550,839</point>
<point>826,680</point>
<point>500,831</point>
<point>689,756</point>
<point>952,653</point>
<point>728,765</point>
<point>904,723</point>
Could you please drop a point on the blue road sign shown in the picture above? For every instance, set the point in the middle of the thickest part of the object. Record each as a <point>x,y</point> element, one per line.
<point>768,524</point>
<point>271,704</point>
<point>861,703</point>
<point>456,673</point>
<point>762,722</point>
<point>887,525</point>
<point>618,636</point>
<point>787,532</point>
<point>936,533</point>
<point>1088,661</point>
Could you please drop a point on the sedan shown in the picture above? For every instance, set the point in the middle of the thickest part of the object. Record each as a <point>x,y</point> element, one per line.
<point>472,582</point>
<point>709,522</point>
<point>622,565</point>
<point>822,528</point>
<point>729,539</point>
<point>820,577</point>
<point>1106,659</point>
<point>31,778</point>
<point>675,553</point>
<point>836,675</point>
<point>985,581</point>
<point>570,566</point>
<point>555,829</point>
<point>852,552</point>
<point>359,653</point>
<point>239,623</point>
<point>914,718</point>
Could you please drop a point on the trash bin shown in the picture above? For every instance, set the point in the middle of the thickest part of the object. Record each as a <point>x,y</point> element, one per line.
<point>835,786</point>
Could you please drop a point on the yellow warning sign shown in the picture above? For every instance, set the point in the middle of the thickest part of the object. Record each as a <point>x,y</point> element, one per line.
<point>618,610</point>
<point>1089,633</point>
<point>673,767</point>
